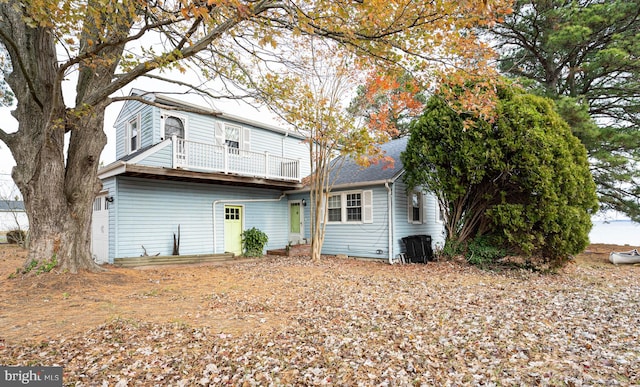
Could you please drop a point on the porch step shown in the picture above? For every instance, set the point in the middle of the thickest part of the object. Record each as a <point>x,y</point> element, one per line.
<point>172,260</point>
<point>292,251</point>
<point>278,252</point>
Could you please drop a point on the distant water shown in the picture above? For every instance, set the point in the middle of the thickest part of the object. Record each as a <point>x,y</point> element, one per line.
<point>619,232</point>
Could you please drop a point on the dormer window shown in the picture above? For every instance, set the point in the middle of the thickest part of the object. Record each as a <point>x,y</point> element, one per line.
<point>173,126</point>
<point>133,135</point>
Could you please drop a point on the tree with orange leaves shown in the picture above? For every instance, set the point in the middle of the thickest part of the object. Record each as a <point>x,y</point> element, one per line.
<point>388,104</point>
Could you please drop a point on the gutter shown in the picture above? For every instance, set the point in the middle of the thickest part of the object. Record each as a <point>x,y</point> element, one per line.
<point>346,186</point>
<point>112,169</point>
<point>216,202</point>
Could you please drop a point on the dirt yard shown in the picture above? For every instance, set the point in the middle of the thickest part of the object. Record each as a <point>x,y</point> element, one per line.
<point>286,321</point>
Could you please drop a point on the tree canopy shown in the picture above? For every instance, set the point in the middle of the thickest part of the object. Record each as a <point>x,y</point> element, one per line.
<point>100,47</point>
<point>586,55</point>
<point>522,180</point>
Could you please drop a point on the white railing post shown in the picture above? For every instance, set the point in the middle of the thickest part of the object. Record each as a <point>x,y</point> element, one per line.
<point>225,159</point>
<point>299,170</point>
<point>266,165</point>
<point>174,153</point>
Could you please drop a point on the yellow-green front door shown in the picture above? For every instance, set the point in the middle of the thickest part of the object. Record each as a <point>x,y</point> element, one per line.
<point>233,229</point>
<point>296,226</point>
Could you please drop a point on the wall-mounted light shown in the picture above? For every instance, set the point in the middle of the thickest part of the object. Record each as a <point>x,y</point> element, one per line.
<point>304,203</point>
<point>109,199</point>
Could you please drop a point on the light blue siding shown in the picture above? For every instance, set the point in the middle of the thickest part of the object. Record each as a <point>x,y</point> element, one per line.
<point>161,158</point>
<point>146,121</point>
<point>296,148</point>
<point>276,143</point>
<point>402,228</point>
<point>372,240</point>
<point>361,239</point>
<point>201,128</point>
<point>128,112</point>
<point>149,212</point>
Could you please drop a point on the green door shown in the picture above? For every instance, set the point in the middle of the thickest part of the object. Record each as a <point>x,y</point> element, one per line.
<point>296,228</point>
<point>233,229</point>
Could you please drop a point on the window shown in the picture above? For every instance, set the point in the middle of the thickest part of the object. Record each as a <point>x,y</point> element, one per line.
<point>97,204</point>
<point>232,213</point>
<point>173,126</point>
<point>354,207</point>
<point>232,138</point>
<point>350,207</point>
<point>133,135</point>
<point>334,208</point>
<point>415,207</point>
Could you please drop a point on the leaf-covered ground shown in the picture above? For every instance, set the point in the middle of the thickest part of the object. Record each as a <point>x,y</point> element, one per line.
<point>285,321</point>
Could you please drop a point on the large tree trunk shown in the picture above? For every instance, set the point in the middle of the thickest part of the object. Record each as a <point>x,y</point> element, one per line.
<point>58,196</point>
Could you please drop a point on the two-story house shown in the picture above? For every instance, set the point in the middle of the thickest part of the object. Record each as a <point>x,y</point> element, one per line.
<point>213,175</point>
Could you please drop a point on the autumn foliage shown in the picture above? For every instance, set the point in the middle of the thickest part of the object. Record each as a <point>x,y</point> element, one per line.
<point>231,47</point>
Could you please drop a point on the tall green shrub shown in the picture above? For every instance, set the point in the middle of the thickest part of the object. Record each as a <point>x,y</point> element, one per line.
<point>523,179</point>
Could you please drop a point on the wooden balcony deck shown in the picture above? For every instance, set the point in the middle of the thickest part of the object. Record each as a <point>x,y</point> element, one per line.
<point>205,157</point>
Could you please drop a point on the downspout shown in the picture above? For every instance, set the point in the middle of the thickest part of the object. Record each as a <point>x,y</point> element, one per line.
<point>390,219</point>
<point>216,202</point>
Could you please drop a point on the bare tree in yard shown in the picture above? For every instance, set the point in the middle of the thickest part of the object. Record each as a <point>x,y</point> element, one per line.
<point>311,98</point>
<point>102,46</point>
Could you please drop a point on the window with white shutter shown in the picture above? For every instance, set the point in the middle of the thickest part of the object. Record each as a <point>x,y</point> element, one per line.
<point>350,207</point>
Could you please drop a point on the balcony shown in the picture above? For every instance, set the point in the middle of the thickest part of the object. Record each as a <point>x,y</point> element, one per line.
<point>205,157</point>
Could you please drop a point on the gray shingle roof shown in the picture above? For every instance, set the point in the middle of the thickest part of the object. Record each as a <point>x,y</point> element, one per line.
<point>351,172</point>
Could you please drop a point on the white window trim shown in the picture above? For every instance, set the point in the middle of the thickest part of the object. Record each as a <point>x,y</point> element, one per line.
<point>163,117</point>
<point>244,141</point>
<point>438,215</point>
<point>127,144</point>
<point>410,207</point>
<point>366,205</point>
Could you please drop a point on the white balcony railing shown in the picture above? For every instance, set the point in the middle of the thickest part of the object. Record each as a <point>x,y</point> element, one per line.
<point>220,158</point>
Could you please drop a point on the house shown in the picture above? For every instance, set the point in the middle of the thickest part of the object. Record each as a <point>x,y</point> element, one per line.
<point>13,215</point>
<point>206,176</point>
<point>371,209</point>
